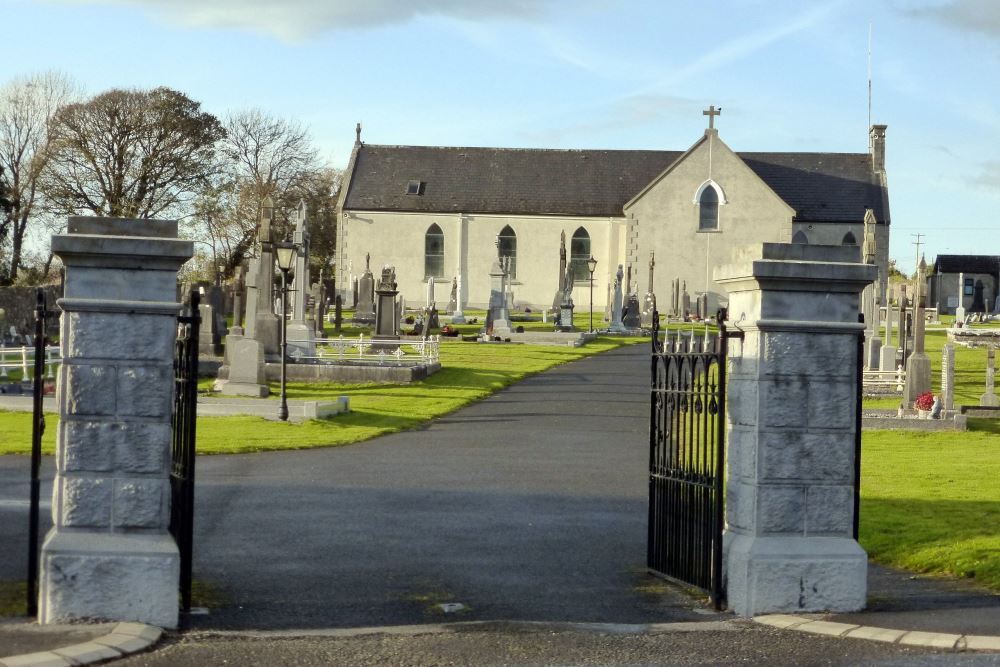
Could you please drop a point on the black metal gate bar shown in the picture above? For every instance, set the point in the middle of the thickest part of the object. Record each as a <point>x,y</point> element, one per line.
<point>37,429</point>
<point>686,459</point>
<point>183,447</point>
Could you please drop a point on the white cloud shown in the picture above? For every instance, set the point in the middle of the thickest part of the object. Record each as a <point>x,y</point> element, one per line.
<point>989,177</point>
<point>299,19</point>
<point>975,15</point>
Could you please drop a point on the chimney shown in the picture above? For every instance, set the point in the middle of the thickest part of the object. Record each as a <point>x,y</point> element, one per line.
<point>876,147</point>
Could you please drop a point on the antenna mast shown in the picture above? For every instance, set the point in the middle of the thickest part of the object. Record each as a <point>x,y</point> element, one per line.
<point>869,76</point>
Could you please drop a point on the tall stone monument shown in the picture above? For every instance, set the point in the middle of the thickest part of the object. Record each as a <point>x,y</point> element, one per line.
<point>386,313</point>
<point>261,323</point>
<point>948,377</point>
<point>560,297</point>
<point>364,310</point>
<point>109,554</point>
<point>788,545</point>
<point>960,309</point>
<point>616,304</point>
<point>453,298</point>
<point>457,316</point>
<point>989,398</point>
<point>301,332</point>
<point>649,303</point>
<point>918,364</point>
<point>498,315</point>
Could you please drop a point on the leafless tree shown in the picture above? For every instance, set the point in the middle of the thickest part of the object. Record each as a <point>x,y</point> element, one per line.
<point>26,107</point>
<point>263,156</point>
<point>130,153</point>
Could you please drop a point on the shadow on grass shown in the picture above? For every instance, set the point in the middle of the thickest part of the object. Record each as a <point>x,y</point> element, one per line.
<point>984,425</point>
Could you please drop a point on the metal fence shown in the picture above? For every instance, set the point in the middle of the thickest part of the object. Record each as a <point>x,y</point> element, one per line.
<point>370,350</point>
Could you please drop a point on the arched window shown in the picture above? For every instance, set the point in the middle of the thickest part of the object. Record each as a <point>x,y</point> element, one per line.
<point>708,204</point>
<point>579,253</point>
<point>800,237</point>
<point>434,252</point>
<point>508,248</point>
<point>849,239</point>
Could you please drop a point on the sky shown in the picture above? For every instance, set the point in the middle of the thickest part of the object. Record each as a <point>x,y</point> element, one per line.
<point>628,74</point>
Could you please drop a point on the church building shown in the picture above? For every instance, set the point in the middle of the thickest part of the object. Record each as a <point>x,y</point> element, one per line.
<point>443,212</point>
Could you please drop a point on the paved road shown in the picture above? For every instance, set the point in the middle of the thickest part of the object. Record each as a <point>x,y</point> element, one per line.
<point>529,505</point>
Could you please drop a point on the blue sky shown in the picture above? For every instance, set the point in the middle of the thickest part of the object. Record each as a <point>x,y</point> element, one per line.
<point>578,74</point>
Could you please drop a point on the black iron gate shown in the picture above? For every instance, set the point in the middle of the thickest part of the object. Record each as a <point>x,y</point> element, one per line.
<point>37,429</point>
<point>687,456</point>
<point>183,448</point>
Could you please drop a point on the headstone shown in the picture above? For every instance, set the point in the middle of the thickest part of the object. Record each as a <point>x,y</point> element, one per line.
<point>237,327</point>
<point>870,301</point>
<point>338,313</point>
<point>386,311</point>
<point>429,300</point>
<point>498,317</point>
<point>649,303</point>
<point>453,299</point>
<point>364,311</point>
<point>789,545</point>
<point>560,296</point>
<point>918,365</point>
<point>209,340</point>
<point>245,362</point>
<point>433,319</point>
<point>457,316</point>
<point>978,299</point>
<point>301,332</point>
<point>960,310</point>
<point>616,305</point>
<point>948,376</point>
<point>936,408</point>
<point>888,351</point>
<point>675,298</point>
<point>265,326</point>
<point>989,397</point>
<point>631,318</point>
<point>109,554</point>
<point>319,305</point>
<point>354,294</point>
<point>685,303</point>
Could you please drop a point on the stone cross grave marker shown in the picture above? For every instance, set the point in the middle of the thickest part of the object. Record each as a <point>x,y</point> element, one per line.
<point>989,397</point>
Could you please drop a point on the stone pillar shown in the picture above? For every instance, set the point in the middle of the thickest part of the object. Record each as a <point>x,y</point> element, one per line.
<point>458,317</point>
<point>616,304</point>
<point>791,427</point>
<point>918,365</point>
<point>960,309</point>
<point>109,554</point>
<point>948,376</point>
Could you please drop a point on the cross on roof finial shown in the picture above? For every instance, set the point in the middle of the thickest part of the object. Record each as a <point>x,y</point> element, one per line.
<point>711,112</point>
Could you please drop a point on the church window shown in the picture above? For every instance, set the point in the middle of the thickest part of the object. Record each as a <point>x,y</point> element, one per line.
<point>507,241</point>
<point>708,204</point>
<point>434,252</point>
<point>579,253</point>
<point>849,239</point>
<point>415,188</point>
<point>800,237</point>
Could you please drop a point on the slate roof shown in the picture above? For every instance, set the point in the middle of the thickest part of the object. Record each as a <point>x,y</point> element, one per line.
<point>967,264</point>
<point>821,187</point>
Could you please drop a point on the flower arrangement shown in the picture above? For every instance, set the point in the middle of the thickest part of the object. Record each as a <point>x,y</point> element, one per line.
<point>448,330</point>
<point>925,401</point>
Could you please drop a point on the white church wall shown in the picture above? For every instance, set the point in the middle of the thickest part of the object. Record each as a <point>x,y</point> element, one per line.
<point>668,220</point>
<point>397,238</point>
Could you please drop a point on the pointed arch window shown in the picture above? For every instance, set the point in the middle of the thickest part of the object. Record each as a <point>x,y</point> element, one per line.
<point>579,253</point>
<point>800,237</point>
<point>708,209</point>
<point>434,252</point>
<point>849,239</point>
<point>508,248</point>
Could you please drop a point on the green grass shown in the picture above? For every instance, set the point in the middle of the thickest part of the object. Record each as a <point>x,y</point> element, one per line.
<point>930,502</point>
<point>470,372</point>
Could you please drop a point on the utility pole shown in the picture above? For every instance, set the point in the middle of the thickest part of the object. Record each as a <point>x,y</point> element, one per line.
<point>917,243</point>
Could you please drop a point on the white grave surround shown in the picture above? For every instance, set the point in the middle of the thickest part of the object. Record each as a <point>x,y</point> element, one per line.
<point>791,396</point>
<point>109,555</point>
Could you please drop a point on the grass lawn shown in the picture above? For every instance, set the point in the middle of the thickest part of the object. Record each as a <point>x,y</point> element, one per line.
<point>930,502</point>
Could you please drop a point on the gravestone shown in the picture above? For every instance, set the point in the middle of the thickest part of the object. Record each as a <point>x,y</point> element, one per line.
<point>261,322</point>
<point>245,362</point>
<point>364,311</point>
<point>498,317</point>
<point>354,293</point>
<point>429,297</point>
<point>433,320</point>
<point>237,327</point>
<point>870,300</point>
<point>791,413</point>
<point>560,296</point>
<point>386,311</point>
<point>631,317</point>
<point>616,305</point>
<point>675,298</point>
<point>209,340</point>
<point>960,310</point>
<point>109,555</point>
<point>685,303</point>
<point>989,398</point>
<point>918,365</point>
<point>338,313</point>
<point>301,334</point>
<point>948,376</point>
<point>453,299</point>
<point>649,303</point>
<point>457,316</point>
<point>887,353</point>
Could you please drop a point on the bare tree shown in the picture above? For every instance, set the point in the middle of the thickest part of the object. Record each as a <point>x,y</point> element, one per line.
<point>130,153</point>
<point>26,107</point>
<point>263,156</point>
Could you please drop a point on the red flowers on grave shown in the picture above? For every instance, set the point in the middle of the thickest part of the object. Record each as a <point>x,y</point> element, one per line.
<point>925,401</point>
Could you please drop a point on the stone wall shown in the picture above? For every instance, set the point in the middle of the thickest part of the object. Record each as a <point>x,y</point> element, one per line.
<point>18,304</point>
